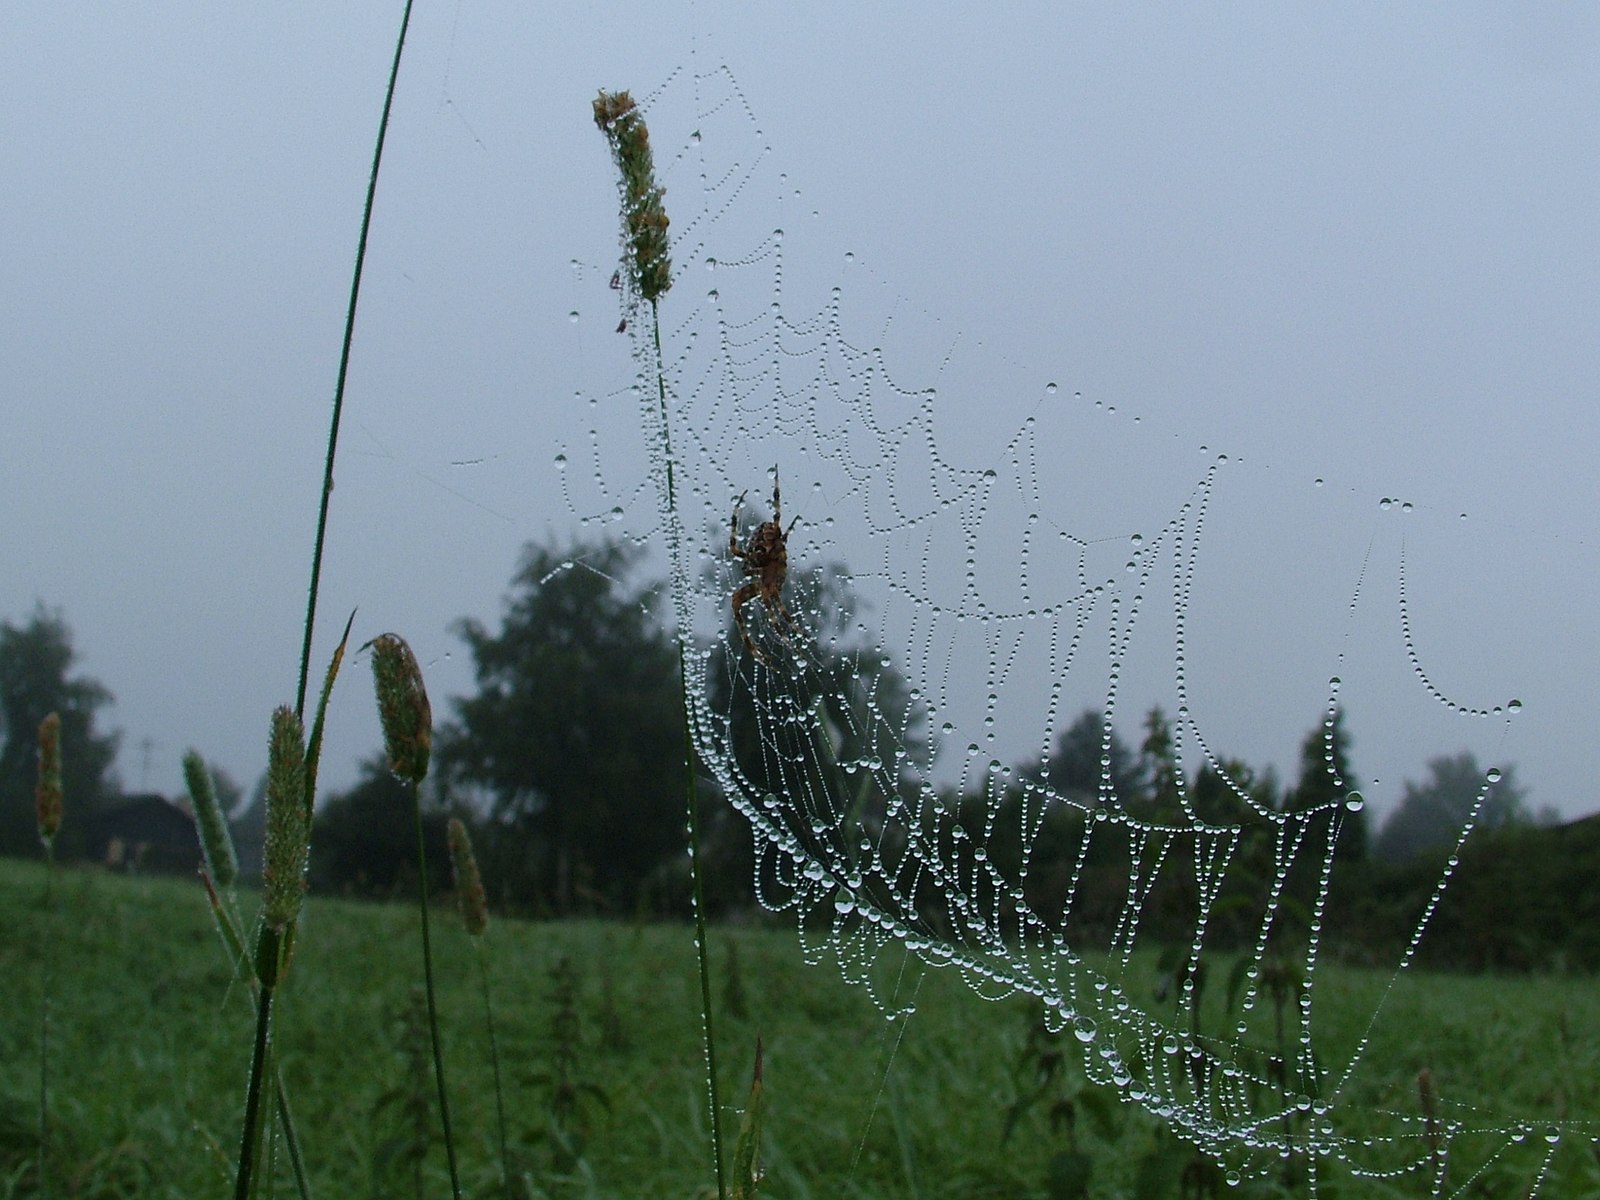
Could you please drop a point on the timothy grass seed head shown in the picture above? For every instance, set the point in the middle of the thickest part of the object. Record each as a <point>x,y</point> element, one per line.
<point>470,895</point>
<point>48,794</point>
<point>644,220</point>
<point>216,843</point>
<point>402,707</point>
<point>283,873</point>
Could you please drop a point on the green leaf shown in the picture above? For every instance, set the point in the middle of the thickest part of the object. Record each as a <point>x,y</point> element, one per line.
<point>314,748</point>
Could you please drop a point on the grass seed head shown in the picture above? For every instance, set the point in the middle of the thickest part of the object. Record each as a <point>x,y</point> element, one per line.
<point>469,884</point>
<point>644,220</point>
<point>216,843</point>
<point>283,874</point>
<point>48,794</point>
<point>402,707</point>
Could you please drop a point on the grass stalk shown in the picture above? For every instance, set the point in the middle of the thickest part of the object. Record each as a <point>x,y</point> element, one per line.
<point>494,1062</point>
<point>427,979</point>
<point>225,915</point>
<point>690,758</point>
<point>407,720</point>
<point>473,902</point>
<point>344,367</point>
<point>291,1141</point>
<point>649,273</point>
<point>48,798</point>
<point>283,883</point>
<point>44,1019</point>
<point>268,948</point>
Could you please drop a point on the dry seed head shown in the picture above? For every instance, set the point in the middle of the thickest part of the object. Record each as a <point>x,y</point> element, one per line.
<point>47,796</point>
<point>609,106</point>
<point>283,874</point>
<point>402,706</point>
<point>216,843</point>
<point>469,884</point>
<point>644,220</point>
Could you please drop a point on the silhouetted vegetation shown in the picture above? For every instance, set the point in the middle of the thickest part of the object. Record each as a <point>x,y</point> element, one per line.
<point>35,663</point>
<point>573,743</point>
<point>566,763</point>
<point>364,844</point>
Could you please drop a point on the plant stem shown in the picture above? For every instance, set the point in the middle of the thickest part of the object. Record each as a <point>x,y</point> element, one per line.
<point>494,1060</point>
<point>224,912</point>
<point>267,953</point>
<point>433,1012</point>
<point>344,367</point>
<point>290,1140</point>
<point>702,947</point>
<point>44,1017</point>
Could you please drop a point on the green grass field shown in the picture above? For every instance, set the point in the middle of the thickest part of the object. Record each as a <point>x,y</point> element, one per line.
<point>150,1037</point>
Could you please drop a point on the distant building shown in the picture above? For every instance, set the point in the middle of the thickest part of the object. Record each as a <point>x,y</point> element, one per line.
<point>145,832</point>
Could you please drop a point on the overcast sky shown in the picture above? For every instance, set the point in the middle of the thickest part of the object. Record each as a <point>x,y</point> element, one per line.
<point>1354,244</point>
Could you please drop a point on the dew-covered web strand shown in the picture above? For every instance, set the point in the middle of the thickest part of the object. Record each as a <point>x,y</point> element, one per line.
<point>894,1034</point>
<point>1491,778</point>
<point>891,826</point>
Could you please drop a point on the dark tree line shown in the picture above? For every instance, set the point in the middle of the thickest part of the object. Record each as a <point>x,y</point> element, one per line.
<point>569,760</point>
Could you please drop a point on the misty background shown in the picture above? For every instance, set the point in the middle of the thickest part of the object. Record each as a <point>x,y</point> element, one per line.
<point>1354,251</point>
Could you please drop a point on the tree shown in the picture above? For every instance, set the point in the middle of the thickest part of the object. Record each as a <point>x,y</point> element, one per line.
<point>1231,792</point>
<point>576,733</point>
<point>1433,814</point>
<point>1158,763</point>
<point>34,662</point>
<point>364,842</point>
<point>1326,781</point>
<point>1083,758</point>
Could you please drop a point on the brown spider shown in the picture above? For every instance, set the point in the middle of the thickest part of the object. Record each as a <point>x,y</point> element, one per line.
<point>766,558</point>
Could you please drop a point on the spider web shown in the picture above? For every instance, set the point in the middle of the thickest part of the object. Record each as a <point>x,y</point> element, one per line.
<point>974,559</point>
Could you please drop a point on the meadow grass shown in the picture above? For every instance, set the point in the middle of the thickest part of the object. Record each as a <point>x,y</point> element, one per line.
<point>146,1088</point>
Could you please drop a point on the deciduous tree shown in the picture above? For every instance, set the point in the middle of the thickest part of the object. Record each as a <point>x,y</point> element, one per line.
<point>1433,813</point>
<point>1084,759</point>
<point>35,663</point>
<point>363,843</point>
<point>575,734</point>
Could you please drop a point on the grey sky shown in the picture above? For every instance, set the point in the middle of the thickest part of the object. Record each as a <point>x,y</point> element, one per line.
<point>1354,244</point>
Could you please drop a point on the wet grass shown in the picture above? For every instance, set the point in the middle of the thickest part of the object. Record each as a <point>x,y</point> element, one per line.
<point>146,1094</point>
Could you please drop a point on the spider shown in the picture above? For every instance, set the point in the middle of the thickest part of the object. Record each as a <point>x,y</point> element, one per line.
<point>766,559</point>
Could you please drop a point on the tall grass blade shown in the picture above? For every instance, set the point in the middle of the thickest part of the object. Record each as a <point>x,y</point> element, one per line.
<point>344,366</point>
<point>314,746</point>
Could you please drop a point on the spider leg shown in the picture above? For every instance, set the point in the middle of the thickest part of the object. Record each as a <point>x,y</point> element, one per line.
<point>742,597</point>
<point>780,616</point>
<point>777,510</point>
<point>733,533</point>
